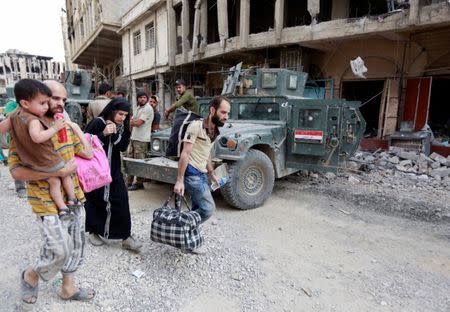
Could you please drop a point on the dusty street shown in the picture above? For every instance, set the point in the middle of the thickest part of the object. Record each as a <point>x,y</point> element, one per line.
<point>306,249</point>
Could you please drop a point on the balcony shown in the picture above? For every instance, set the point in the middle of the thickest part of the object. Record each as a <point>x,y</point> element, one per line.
<point>93,34</point>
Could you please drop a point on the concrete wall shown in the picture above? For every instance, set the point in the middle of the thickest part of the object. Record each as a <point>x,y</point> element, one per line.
<point>146,60</point>
<point>382,57</point>
<point>113,10</point>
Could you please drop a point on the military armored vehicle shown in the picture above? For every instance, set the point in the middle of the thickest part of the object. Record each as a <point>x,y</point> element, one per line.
<point>78,85</point>
<point>273,131</point>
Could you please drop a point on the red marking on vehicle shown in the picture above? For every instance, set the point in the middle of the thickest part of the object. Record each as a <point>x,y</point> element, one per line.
<point>308,136</point>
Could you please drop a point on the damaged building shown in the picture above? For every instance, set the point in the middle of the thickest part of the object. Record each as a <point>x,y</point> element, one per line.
<point>405,46</point>
<point>16,65</point>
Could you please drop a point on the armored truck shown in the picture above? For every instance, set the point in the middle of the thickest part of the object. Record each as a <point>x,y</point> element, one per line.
<point>273,131</point>
<point>78,85</point>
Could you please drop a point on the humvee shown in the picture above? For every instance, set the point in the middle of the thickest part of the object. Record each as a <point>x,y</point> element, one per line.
<point>78,85</point>
<point>273,131</point>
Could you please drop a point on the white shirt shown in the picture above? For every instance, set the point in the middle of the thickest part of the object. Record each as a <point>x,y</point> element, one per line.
<point>144,132</point>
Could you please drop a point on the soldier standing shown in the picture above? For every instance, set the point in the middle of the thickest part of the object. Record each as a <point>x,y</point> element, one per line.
<point>186,100</point>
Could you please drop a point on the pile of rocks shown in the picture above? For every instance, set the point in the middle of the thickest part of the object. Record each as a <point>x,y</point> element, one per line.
<point>417,165</point>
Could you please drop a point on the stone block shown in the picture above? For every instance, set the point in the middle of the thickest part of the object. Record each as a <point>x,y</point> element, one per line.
<point>435,165</point>
<point>394,160</point>
<point>423,157</point>
<point>401,168</point>
<point>408,155</point>
<point>423,177</point>
<point>353,180</point>
<point>440,172</point>
<point>435,156</point>
<point>406,163</point>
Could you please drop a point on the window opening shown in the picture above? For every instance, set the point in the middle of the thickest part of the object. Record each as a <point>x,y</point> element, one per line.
<point>137,42</point>
<point>149,36</point>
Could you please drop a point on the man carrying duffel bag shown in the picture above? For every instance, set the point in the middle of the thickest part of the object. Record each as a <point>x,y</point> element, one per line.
<point>195,161</point>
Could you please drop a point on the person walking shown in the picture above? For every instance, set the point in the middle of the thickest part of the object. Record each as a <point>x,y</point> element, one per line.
<point>156,114</point>
<point>62,248</point>
<point>107,208</point>
<point>98,104</point>
<point>195,159</point>
<point>185,100</point>
<point>5,126</point>
<point>141,125</point>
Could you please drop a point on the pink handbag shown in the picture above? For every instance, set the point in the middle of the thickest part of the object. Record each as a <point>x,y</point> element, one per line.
<point>93,173</point>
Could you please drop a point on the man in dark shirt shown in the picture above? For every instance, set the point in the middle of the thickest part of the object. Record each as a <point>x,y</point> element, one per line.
<point>185,100</point>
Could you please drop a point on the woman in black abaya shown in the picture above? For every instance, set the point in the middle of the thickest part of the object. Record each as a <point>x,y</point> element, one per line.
<point>107,208</point>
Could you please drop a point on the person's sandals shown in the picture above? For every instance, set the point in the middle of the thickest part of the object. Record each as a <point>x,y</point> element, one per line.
<point>22,193</point>
<point>96,240</point>
<point>82,294</point>
<point>136,187</point>
<point>29,293</point>
<point>197,251</point>
<point>131,244</point>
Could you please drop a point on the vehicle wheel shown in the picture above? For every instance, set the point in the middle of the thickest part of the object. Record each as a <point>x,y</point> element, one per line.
<point>251,181</point>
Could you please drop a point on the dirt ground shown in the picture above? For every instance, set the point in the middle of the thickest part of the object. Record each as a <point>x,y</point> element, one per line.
<point>306,249</point>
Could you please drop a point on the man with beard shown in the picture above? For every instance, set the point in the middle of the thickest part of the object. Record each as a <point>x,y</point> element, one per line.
<point>157,116</point>
<point>62,245</point>
<point>141,125</point>
<point>195,161</point>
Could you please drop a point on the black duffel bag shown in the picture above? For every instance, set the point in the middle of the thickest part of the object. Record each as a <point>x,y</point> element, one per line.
<point>180,229</point>
<point>180,123</point>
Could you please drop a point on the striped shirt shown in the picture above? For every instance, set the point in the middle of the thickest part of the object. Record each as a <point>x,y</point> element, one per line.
<point>38,190</point>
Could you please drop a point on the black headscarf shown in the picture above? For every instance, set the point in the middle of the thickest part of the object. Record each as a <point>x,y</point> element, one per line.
<point>114,105</point>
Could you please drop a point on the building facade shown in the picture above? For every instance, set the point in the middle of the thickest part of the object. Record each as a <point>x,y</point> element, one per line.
<point>93,41</point>
<point>404,45</point>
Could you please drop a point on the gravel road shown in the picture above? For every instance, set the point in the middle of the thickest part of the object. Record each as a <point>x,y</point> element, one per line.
<point>306,249</point>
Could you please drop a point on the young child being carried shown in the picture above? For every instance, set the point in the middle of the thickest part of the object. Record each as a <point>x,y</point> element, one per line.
<point>32,136</point>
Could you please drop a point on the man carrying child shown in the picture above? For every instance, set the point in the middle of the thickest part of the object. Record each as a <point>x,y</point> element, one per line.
<point>33,142</point>
<point>62,240</point>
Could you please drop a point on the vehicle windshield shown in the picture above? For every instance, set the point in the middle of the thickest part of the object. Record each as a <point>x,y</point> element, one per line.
<point>259,111</point>
<point>204,110</point>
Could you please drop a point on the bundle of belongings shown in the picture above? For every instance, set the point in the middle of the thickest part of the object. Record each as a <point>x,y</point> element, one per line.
<point>177,228</point>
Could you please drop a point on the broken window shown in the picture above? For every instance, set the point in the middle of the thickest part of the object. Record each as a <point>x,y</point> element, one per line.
<point>179,36</point>
<point>325,11</point>
<point>296,13</point>
<point>439,114</point>
<point>366,8</point>
<point>81,27</point>
<point>233,17</point>
<point>137,42</point>
<point>213,28</point>
<point>149,36</point>
<point>191,22</point>
<point>261,15</point>
<point>369,93</point>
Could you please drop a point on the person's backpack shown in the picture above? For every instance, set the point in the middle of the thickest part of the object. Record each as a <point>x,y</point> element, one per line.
<point>181,121</point>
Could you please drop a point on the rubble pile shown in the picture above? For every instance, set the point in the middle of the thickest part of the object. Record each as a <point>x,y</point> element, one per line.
<point>397,182</point>
<point>416,166</point>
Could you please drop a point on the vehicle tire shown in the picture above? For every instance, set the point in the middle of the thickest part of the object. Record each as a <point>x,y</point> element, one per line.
<point>251,181</point>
